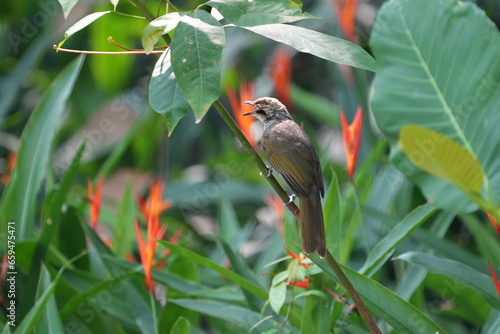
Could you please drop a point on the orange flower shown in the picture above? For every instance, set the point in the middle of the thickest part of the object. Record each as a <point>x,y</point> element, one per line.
<point>352,137</point>
<point>5,178</point>
<point>95,201</point>
<point>495,279</point>
<point>303,259</point>
<point>151,210</point>
<point>147,248</point>
<point>281,73</point>
<point>346,16</point>
<point>154,205</point>
<point>300,284</point>
<point>246,94</point>
<point>493,222</point>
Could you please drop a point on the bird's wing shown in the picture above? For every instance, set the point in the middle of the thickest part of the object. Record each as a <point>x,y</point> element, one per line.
<point>296,160</point>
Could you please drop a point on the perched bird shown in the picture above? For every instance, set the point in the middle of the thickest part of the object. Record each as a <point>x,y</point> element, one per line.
<point>292,154</point>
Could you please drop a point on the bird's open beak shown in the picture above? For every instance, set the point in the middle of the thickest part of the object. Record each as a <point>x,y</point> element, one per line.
<point>250,112</point>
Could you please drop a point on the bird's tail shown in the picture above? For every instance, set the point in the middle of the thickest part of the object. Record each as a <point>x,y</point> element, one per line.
<point>312,227</point>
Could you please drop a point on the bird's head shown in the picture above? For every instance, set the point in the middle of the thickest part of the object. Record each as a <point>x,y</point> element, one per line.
<point>268,108</point>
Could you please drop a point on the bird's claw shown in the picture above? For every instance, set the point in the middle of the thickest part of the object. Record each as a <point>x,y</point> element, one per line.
<point>292,198</point>
<point>269,172</point>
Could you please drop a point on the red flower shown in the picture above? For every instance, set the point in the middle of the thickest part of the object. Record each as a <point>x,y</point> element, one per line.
<point>151,210</point>
<point>346,15</point>
<point>495,279</point>
<point>281,73</point>
<point>5,178</point>
<point>303,259</point>
<point>154,205</point>
<point>493,222</point>
<point>352,137</point>
<point>95,201</point>
<point>300,284</point>
<point>245,123</point>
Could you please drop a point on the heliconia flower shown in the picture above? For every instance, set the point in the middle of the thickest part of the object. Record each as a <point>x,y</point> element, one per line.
<point>147,247</point>
<point>346,15</point>
<point>493,222</point>
<point>303,259</point>
<point>151,210</point>
<point>95,201</point>
<point>245,123</point>
<point>352,138</point>
<point>300,284</point>
<point>281,73</point>
<point>155,204</point>
<point>495,279</point>
<point>5,178</point>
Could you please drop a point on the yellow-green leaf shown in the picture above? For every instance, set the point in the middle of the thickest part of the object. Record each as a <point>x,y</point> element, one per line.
<point>442,157</point>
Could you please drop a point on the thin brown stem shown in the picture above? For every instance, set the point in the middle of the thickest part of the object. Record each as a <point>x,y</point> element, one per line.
<point>363,310</point>
<point>138,52</point>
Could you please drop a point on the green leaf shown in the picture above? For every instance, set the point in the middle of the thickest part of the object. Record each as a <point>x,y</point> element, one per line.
<point>197,48</point>
<point>11,84</point>
<point>124,234</point>
<point>82,23</point>
<point>457,271</point>
<point>401,315</point>
<point>442,157</point>
<point>18,201</point>
<point>277,296</point>
<point>158,27</point>
<point>181,326</point>
<point>385,247</point>
<point>31,319</point>
<point>318,44</point>
<point>165,96</point>
<point>50,321</point>
<point>238,315</point>
<point>258,12</point>
<point>67,6</point>
<point>333,216</point>
<point>459,98</point>
<point>230,275</point>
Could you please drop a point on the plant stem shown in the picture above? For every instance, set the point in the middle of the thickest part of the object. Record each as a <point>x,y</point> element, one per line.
<point>363,310</point>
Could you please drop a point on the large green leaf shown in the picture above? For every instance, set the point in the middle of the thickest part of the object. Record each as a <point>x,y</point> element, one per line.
<point>158,27</point>
<point>18,201</point>
<point>318,44</point>
<point>165,96</point>
<point>457,271</point>
<point>442,157</point>
<point>385,247</point>
<point>438,67</point>
<point>401,315</point>
<point>197,48</point>
<point>258,12</point>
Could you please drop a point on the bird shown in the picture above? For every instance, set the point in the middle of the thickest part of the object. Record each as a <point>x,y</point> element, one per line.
<point>291,153</point>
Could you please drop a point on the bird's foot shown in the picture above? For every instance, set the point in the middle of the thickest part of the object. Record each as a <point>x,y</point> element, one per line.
<point>292,198</point>
<point>269,172</point>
